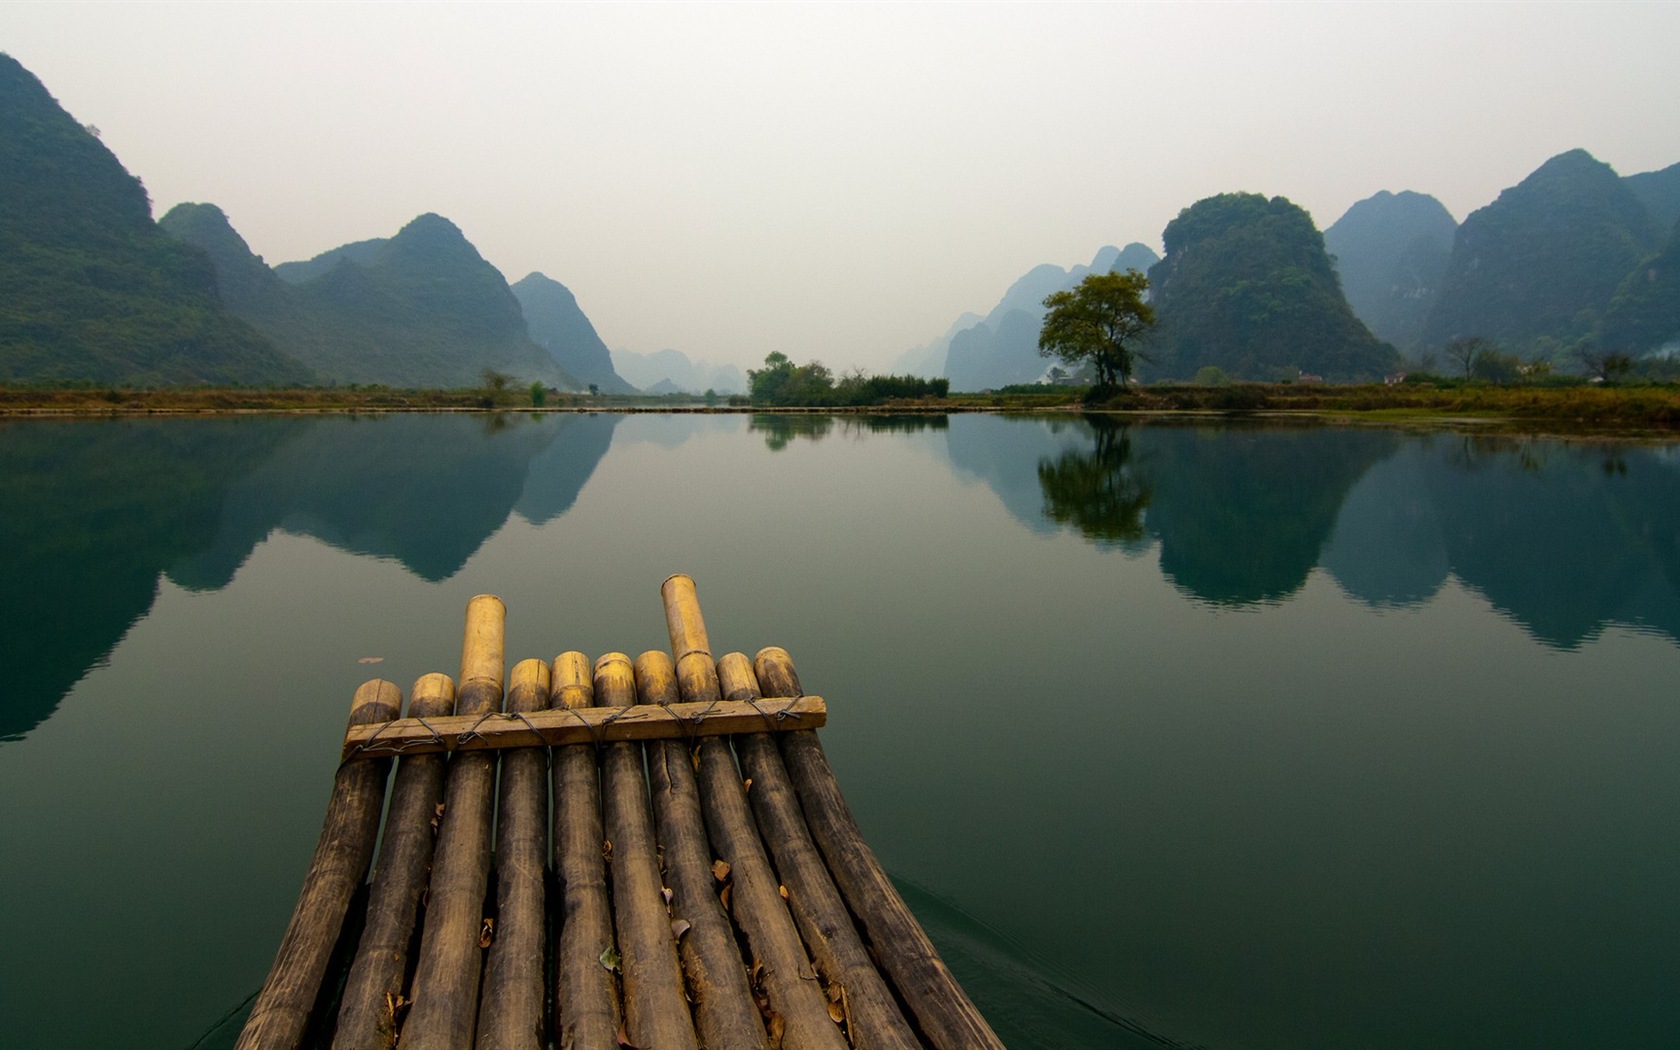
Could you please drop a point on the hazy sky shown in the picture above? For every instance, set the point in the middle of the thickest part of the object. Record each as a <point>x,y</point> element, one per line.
<point>836,181</point>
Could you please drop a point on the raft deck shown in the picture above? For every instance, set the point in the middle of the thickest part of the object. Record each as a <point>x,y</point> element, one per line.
<point>697,882</point>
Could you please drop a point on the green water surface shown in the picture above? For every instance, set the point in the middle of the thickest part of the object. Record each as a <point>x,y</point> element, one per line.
<point>1227,737</point>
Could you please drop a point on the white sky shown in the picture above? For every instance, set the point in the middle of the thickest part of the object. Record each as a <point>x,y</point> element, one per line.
<point>835,181</point>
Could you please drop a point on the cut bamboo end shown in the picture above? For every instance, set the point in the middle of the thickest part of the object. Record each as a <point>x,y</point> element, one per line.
<point>529,686</point>
<point>776,675</point>
<point>656,679</point>
<point>691,650</point>
<point>682,617</point>
<point>736,678</point>
<point>433,696</point>
<point>573,684</point>
<point>482,654</point>
<point>376,700</point>
<point>615,681</point>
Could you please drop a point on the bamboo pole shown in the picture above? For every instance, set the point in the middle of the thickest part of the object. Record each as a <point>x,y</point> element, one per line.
<point>942,1010</point>
<point>282,1008</point>
<point>586,1009</point>
<point>446,980</point>
<point>873,1019</point>
<point>799,1011</point>
<point>373,993</point>
<point>511,1014</point>
<point>725,1014</point>
<point>655,1011</point>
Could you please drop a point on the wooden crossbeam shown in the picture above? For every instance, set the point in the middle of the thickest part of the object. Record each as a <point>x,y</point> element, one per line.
<point>587,725</point>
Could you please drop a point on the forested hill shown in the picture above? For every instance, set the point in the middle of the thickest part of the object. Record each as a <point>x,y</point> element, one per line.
<point>1536,269</point>
<point>90,288</point>
<point>421,309</point>
<point>1247,287</point>
<point>556,323</point>
<point>1391,252</point>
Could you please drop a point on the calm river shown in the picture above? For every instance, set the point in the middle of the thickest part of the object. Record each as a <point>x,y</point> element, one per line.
<point>1214,737</point>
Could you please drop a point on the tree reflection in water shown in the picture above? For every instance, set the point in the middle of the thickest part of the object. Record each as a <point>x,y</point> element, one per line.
<point>1097,492</point>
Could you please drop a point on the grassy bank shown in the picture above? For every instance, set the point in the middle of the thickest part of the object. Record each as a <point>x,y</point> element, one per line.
<point>1599,408</point>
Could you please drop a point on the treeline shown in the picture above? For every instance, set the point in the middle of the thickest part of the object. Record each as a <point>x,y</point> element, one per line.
<point>783,383</point>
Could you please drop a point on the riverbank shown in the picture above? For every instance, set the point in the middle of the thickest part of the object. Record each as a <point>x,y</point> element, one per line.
<point>1653,409</point>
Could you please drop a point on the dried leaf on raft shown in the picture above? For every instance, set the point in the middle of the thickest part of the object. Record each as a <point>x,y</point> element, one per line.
<point>746,785</point>
<point>724,897</point>
<point>624,1039</point>
<point>720,869</point>
<point>777,1027</point>
<point>665,891</point>
<point>487,933</point>
<point>783,890</point>
<point>680,927</point>
<point>836,1013</point>
<point>609,959</point>
<point>606,850</point>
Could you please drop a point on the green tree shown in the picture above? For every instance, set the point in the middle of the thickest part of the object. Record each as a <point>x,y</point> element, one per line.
<point>781,382</point>
<point>1099,322</point>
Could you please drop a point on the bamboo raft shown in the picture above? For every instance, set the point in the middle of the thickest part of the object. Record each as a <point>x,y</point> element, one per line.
<point>699,882</point>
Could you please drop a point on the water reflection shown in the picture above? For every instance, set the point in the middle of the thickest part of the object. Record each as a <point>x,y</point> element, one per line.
<point>112,507</point>
<point>1096,492</point>
<point>94,513</point>
<point>780,428</point>
<point>1562,538</point>
<point>1243,514</point>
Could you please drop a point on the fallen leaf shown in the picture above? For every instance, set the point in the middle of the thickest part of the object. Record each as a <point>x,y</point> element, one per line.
<point>724,897</point>
<point>609,959</point>
<point>487,933</point>
<point>666,892</point>
<point>783,890</point>
<point>371,660</point>
<point>836,1013</point>
<point>680,927</point>
<point>720,869</point>
<point>777,1026</point>
<point>606,850</point>
<point>746,785</point>
<point>834,992</point>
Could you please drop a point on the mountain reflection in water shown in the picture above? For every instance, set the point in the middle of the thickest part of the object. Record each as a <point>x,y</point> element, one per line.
<point>1563,538</point>
<point>112,507</point>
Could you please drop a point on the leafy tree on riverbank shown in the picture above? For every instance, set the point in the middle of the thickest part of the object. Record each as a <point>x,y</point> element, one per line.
<point>1099,323</point>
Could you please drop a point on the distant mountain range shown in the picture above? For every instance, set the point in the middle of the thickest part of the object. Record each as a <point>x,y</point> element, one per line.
<point>419,309</point>
<point>671,371</point>
<point>1572,260</point>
